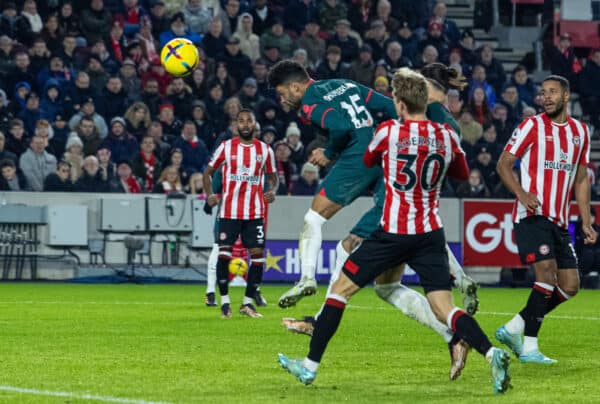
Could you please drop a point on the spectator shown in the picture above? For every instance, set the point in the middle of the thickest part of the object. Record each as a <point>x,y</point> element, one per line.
<point>78,94</point>
<point>377,37</point>
<point>479,79</point>
<point>382,85</point>
<point>408,40</point>
<point>490,141</point>
<point>67,20</point>
<point>384,13</point>
<point>238,64</point>
<point>286,170</point>
<point>89,110</point>
<point>590,89</point>
<point>475,187</point>
<point>108,169</point>
<point>107,59</point>
<point>95,21</point>
<point>486,166</point>
<point>308,182</point>
<point>263,16</point>
<point>130,81</point>
<point>229,17</point>
<point>176,160</point>
<point>267,114</point>
<point>146,164</point>
<point>125,182</point>
<point>332,67</point>
<point>158,18</point>
<point>74,156</point>
<point>169,181</point>
<point>362,69</point>
<point>292,138</point>
<point>51,33</point>
<point>113,99</point>
<point>22,90</point>
<point>29,24</point>
<point>268,134</point>
<point>61,132</point>
<point>501,192</point>
<point>89,135</point>
<point>122,145</point>
<point>137,119</point>
<point>6,47</point>
<point>170,125</point>
<point>161,148</point>
<point>32,112</point>
<point>10,178</point>
<point>493,68</point>
<point>271,55</point>
<point>330,12</point>
<point>563,60</point>
<point>249,97</point>
<point>455,59</point>
<point>249,41</point>
<point>231,109</point>
<point>51,104</point>
<point>514,106</point>
<point>21,71</point>
<point>214,105</point>
<point>276,36</point>
<point>177,29</point>
<point>196,186</point>
<point>204,129</point>
<point>36,164</point>
<point>360,14</point>
<point>91,180</point>
<point>449,27</point>
<point>150,96</point>
<point>436,39</point>
<point>312,42</point>
<point>147,42</point>
<point>525,87</point>
<point>15,141</point>
<point>214,41</point>
<point>479,107</point>
<point>298,13</point>
<point>196,16</point>
<point>503,129</point>
<point>5,154</point>
<point>471,130</point>
<point>67,53</point>
<point>259,71</point>
<point>195,153</point>
<point>394,59</point>
<point>301,57</point>
<point>39,56</point>
<point>467,47</point>
<point>344,41</point>
<point>8,19</point>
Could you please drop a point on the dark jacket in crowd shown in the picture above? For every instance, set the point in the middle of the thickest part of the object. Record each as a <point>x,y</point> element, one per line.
<point>53,183</point>
<point>88,183</point>
<point>195,157</point>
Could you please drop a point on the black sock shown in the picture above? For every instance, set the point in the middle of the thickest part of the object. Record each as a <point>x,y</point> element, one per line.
<point>325,327</point>
<point>223,274</point>
<point>254,277</point>
<point>556,299</point>
<point>466,328</point>
<point>536,307</point>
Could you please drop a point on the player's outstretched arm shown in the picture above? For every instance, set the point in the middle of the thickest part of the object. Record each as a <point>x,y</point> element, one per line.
<point>582,195</point>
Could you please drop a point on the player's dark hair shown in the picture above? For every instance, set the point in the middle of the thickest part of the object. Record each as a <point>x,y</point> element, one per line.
<point>443,77</point>
<point>564,83</point>
<point>287,71</point>
<point>246,111</point>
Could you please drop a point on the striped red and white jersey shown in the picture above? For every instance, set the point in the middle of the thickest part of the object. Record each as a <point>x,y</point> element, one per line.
<point>244,167</point>
<point>415,156</point>
<point>550,154</point>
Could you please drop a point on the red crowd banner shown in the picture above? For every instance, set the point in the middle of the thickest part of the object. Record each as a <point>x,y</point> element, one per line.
<point>488,238</point>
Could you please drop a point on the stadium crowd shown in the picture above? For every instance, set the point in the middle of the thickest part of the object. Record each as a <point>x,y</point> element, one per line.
<point>86,105</point>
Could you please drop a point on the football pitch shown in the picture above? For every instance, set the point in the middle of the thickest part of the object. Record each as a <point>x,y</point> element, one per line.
<point>71,343</point>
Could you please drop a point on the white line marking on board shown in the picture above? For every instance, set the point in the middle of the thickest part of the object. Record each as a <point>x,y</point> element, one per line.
<point>81,396</point>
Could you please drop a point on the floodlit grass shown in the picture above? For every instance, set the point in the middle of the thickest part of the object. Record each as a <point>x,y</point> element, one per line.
<point>160,343</point>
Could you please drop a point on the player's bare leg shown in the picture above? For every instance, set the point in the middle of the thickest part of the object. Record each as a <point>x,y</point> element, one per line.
<point>464,283</point>
<point>322,209</point>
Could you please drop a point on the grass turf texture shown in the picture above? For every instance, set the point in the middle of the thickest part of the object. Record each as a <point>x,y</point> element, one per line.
<point>160,343</point>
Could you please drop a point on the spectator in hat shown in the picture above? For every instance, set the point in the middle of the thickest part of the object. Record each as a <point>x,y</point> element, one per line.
<point>197,16</point>
<point>268,134</point>
<point>494,70</point>
<point>177,29</point>
<point>32,112</point>
<point>330,12</point>
<point>489,140</point>
<point>590,88</point>
<point>263,16</point>
<point>249,96</point>
<point>59,181</point>
<point>475,187</point>
<point>122,145</point>
<point>485,163</point>
<point>97,73</point>
<point>344,41</point>
<point>276,36</point>
<point>332,66</point>
<point>449,28</point>
<point>61,131</point>
<point>377,37</point>
<point>158,17</point>
<point>382,85</point>
<point>195,153</point>
<point>171,126</point>
<point>8,19</point>
<point>51,103</point>
<point>249,41</point>
<point>312,42</point>
<point>74,156</point>
<point>215,40</point>
<point>113,100</point>
<point>95,21</point>
<point>436,38</point>
<point>362,69</point>
<point>137,119</point>
<point>88,109</point>
<point>146,165</point>
<point>15,138</point>
<point>125,181</point>
<point>91,179</point>
<point>179,94</point>
<point>229,16</point>
<point>563,60</point>
<point>12,179</point>
<point>297,14</point>
<point>238,64</point>
<point>308,182</point>
<point>292,138</point>
<point>271,54</point>
<point>36,163</point>
<point>19,99</point>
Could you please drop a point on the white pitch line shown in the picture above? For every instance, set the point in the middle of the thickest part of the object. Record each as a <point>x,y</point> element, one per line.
<point>107,399</point>
<point>198,303</point>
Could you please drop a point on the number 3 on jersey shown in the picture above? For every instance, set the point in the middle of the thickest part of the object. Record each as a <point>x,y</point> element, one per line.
<point>431,173</point>
<point>355,111</point>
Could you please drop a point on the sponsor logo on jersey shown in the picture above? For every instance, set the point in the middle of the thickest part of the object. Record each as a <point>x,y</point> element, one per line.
<point>253,179</point>
<point>338,91</point>
<point>576,140</point>
<point>259,158</point>
<point>558,165</point>
<point>544,249</point>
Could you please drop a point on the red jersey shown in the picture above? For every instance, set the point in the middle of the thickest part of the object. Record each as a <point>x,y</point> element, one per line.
<point>244,167</point>
<point>415,156</point>
<point>550,154</point>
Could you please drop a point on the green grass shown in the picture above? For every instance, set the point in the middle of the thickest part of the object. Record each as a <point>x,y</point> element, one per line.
<point>160,343</point>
